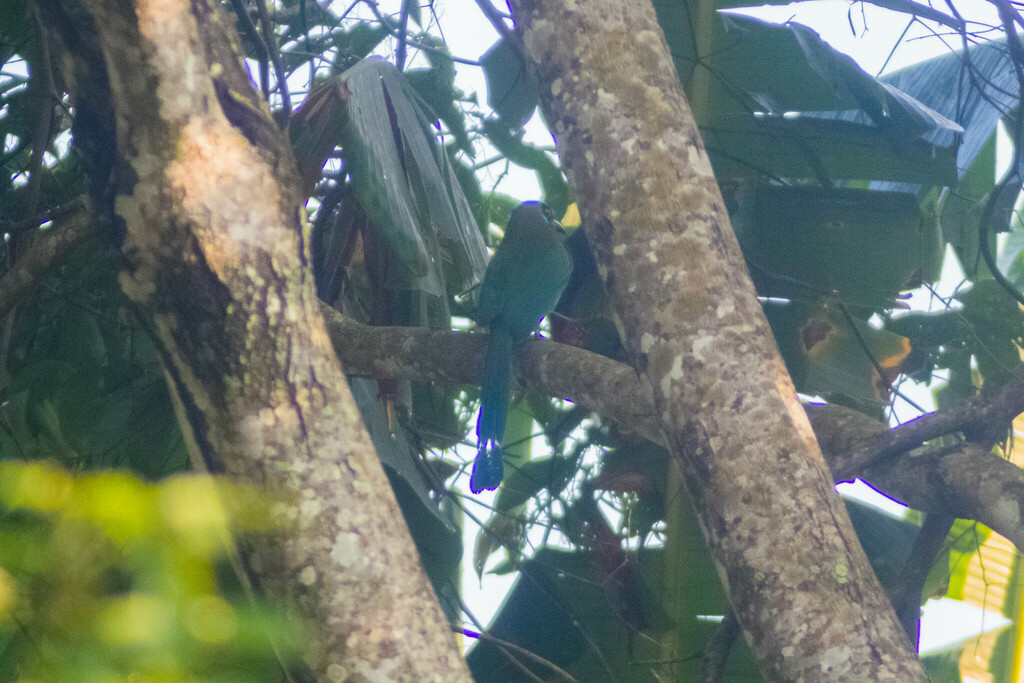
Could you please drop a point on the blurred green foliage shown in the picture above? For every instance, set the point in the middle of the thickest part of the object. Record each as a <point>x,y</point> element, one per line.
<point>105,577</point>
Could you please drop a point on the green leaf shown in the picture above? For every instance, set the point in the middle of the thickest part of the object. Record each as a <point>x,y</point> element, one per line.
<point>500,531</point>
<point>356,43</point>
<point>120,578</point>
<point>860,245</point>
<point>974,89</point>
<point>527,480</point>
<point>498,207</point>
<point>470,185</point>
<point>931,329</point>
<point>741,145</point>
<point>406,186</point>
<point>961,210</point>
<point>511,90</point>
<point>43,377</point>
<point>779,68</point>
<point>943,666</point>
<point>997,330</point>
<point>826,357</point>
<point>777,100</point>
<point>14,27</point>
<point>316,128</point>
<point>438,539</point>
<point>436,89</point>
<point>965,538</point>
<point>566,611</point>
<point>552,181</point>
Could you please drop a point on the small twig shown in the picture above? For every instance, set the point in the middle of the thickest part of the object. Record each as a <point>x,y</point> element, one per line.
<point>403,34</point>
<point>992,411</point>
<point>348,10</point>
<point>498,22</point>
<point>506,645</point>
<point>270,40</point>
<point>921,12</point>
<point>906,598</point>
<point>305,36</point>
<point>896,44</point>
<point>389,26</point>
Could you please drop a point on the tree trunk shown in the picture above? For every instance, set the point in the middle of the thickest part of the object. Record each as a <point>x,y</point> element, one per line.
<point>216,256</point>
<point>799,582</point>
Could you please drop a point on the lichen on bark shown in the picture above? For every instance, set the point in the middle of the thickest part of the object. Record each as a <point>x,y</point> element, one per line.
<point>215,256</point>
<point>694,329</point>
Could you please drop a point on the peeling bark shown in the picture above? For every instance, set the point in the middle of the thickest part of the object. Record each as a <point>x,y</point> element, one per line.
<point>801,586</point>
<point>216,261</point>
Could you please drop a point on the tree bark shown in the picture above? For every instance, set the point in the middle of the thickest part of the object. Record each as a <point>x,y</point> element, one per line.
<point>216,253</point>
<point>801,586</point>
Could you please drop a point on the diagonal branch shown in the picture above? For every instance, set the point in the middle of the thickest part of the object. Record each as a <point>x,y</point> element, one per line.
<point>982,414</point>
<point>916,9</point>
<point>967,482</point>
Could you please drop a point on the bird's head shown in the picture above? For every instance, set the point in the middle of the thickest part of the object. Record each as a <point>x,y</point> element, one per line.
<point>531,215</point>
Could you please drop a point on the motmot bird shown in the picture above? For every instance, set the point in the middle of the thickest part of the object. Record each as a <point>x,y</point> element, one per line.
<point>523,281</point>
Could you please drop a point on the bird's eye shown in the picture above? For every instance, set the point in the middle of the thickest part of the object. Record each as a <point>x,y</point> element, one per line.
<point>546,211</point>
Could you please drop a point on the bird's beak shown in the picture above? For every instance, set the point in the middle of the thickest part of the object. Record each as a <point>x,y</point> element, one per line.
<point>559,227</point>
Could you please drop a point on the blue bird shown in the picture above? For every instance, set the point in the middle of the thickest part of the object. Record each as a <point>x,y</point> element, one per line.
<point>523,282</point>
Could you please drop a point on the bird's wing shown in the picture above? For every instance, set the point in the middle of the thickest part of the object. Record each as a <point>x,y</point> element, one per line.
<point>494,291</point>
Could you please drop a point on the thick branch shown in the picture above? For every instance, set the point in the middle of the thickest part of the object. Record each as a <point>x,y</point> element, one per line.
<point>966,482</point>
<point>979,418</point>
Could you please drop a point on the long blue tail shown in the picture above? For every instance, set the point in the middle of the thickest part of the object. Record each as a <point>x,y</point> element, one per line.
<point>488,467</point>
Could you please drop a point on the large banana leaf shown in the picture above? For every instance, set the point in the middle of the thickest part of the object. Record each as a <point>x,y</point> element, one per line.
<point>757,86</point>
<point>406,185</point>
<point>975,88</point>
<point>811,147</point>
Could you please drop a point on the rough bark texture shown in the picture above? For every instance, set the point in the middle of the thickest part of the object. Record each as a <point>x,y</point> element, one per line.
<point>216,252</point>
<point>963,480</point>
<point>801,587</point>
<point>981,419</point>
